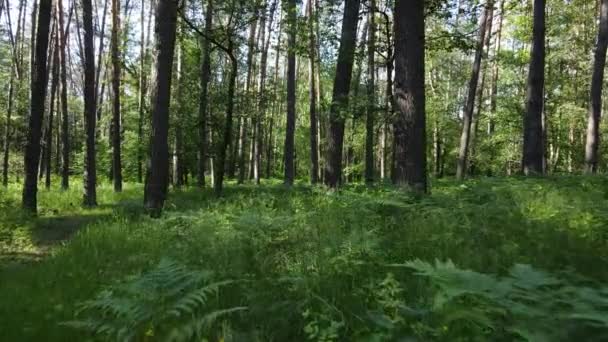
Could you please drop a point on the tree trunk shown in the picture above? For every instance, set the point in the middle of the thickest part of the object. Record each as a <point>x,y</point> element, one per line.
<point>49,132</point>
<point>142,92</point>
<point>533,149</point>
<point>156,185</point>
<point>291,94</point>
<point>227,138</point>
<point>90,171</point>
<point>410,135</point>
<point>597,82</point>
<point>312,55</point>
<point>116,129</point>
<point>342,82</point>
<point>495,71</point>
<point>465,137</point>
<point>203,100</point>
<point>371,94</point>
<point>65,124</point>
<point>38,94</point>
<point>178,158</point>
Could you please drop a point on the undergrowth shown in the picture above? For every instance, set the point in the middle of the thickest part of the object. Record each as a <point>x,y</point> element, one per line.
<point>317,265</point>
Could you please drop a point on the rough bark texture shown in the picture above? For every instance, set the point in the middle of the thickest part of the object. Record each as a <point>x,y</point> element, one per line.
<point>312,61</point>
<point>342,82</point>
<point>533,149</point>
<point>203,100</point>
<point>465,137</point>
<point>291,94</point>
<point>116,126</point>
<point>39,85</point>
<point>65,124</point>
<point>156,185</point>
<point>49,132</point>
<point>90,170</point>
<point>597,82</point>
<point>410,135</point>
<point>371,94</point>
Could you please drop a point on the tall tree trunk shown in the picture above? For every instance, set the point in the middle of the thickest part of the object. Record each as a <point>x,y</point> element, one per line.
<point>597,82</point>
<point>291,94</point>
<point>116,129</point>
<point>156,184</point>
<point>7,130</point>
<point>90,170</point>
<point>227,137</point>
<point>533,149</point>
<point>65,124</point>
<point>178,158</point>
<point>49,132</point>
<point>312,55</point>
<point>142,91</point>
<point>465,137</point>
<point>480,93</point>
<point>98,75</point>
<point>410,135</point>
<point>38,94</point>
<point>342,82</point>
<point>495,72</point>
<point>371,94</point>
<point>243,131</point>
<point>390,101</point>
<point>203,100</point>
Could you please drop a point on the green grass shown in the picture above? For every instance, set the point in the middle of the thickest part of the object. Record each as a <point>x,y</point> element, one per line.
<point>310,262</point>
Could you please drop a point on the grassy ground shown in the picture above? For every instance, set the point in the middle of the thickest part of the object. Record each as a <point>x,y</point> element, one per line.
<point>314,262</point>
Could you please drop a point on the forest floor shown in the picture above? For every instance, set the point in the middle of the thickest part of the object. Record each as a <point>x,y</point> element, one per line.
<point>315,261</point>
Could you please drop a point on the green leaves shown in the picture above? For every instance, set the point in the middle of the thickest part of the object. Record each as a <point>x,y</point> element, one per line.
<point>169,302</point>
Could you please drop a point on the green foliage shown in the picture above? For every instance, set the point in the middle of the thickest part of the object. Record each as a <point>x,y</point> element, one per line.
<point>168,303</point>
<point>316,265</point>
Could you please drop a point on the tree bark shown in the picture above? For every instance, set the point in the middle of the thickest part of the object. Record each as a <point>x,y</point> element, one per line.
<point>38,94</point>
<point>90,99</point>
<point>156,185</point>
<point>371,94</point>
<point>465,137</point>
<point>312,56</point>
<point>142,92</point>
<point>410,135</point>
<point>65,124</point>
<point>116,127</point>
<point>533,149</point>
<point>49,132</point>
<point>342,83</point>
<point>597,82</point>
<point>291,94</point>
<point>227,138</point>
<point>203,100</point>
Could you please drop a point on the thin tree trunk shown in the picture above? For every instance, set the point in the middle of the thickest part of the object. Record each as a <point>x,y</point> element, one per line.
<point>49,132</point>
<point>178,159</point>
<point>533,149</point>
<point>597,82</point>
<point>38,94</point>
<point>90,171</point>
<point>142,92</point>
<point>157,180</point>
<point>289,151</point>
<point>65,125</point>
<point>227,138</point>
<point>371,94</point>
<point>410,135</point>
<point>312,55</point>
<point>342,83</point>
<point>465,137</point>
<point>495,74</point>
<point>203,100</point>
<point>116,120</point>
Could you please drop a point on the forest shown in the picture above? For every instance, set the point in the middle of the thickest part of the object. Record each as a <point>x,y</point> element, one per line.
<point>303,170</point>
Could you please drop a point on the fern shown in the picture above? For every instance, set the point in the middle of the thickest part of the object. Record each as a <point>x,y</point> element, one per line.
<point>527,303</point>
<point>170,302</point>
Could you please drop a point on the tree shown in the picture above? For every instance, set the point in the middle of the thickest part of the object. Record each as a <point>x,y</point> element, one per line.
<point>203,100</point>
<point>465,137</point>
<point>291,94</point>
<point>49,131</point>
<point>597,83</point>
<point>90,119</point>
<point>312,61</point>
<point>533,148</point>
<point>116,119</point>
<point>65,125</point>
<point>157,180</point>
<point>371,94</point>
<point>38,95</point>
<point>410,122</point>
<point>344,69</point>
